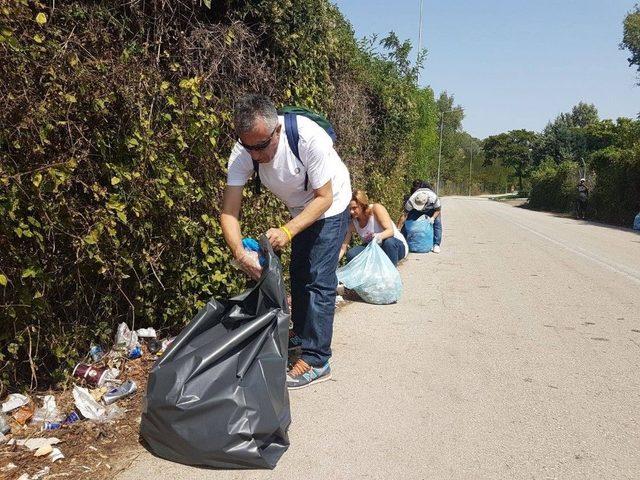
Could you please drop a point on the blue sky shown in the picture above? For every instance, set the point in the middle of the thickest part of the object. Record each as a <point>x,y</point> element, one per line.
<point>514,64</point>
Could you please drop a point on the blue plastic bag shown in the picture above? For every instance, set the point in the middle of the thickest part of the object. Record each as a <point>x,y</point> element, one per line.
<point>636,222</point>
<point>252,245</point>
<point>419,235</point>
<point>372,276</point>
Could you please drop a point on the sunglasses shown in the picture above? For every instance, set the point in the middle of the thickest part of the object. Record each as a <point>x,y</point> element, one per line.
<point>261,145</point>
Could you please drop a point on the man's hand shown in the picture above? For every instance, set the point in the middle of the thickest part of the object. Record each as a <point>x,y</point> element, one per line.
<point>277,238</point>
<point>432,220</point>
<point>249,264</point>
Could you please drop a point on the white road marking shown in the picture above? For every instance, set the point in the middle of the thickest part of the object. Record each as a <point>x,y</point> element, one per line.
<point>614,267</point>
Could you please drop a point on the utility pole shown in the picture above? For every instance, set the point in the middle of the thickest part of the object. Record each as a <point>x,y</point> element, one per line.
<point>440,153</point>
<point>470,163</point>
<point>420,39</point>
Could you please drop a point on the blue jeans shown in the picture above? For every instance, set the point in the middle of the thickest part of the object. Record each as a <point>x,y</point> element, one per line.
<point>314,260</point>
<point>393,247</point>
<point>437,224</point>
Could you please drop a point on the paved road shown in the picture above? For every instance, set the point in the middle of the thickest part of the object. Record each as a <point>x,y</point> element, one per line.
<point>513,354</point>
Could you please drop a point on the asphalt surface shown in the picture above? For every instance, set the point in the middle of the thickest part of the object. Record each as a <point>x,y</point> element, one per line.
<point>515,353</point>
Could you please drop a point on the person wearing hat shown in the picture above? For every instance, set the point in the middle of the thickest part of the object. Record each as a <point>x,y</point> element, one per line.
<point>583,198</point>
<point>423,201</point>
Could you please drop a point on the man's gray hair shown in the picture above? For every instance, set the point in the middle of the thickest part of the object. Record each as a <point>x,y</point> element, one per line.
<point>250,108</point>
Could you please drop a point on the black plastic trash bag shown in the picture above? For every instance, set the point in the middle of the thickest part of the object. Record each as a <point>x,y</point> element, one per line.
<point>218,396</point>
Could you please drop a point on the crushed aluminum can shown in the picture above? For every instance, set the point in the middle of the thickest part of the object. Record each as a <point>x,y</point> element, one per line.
<point>135,353</point>
<point>96,353</point>
<point>51,425</point>
<point>72,417</point>
<point>127,388</point>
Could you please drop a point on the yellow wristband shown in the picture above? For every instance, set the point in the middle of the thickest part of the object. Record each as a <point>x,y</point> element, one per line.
<point>287,231</point>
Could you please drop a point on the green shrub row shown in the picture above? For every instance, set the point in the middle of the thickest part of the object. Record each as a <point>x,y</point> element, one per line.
<point>114,136</point>
<point>613,162</point>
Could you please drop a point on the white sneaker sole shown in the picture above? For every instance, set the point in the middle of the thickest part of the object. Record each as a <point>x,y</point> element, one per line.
<point>315,382</point>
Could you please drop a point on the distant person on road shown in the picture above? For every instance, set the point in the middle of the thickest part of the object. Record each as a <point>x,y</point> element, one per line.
<point>372,223</point>
<point>423,201</point>
<point>582,200</point>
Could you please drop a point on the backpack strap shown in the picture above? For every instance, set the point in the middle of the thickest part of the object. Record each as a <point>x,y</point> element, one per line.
<point>257,183</point>
<point>293,137</point>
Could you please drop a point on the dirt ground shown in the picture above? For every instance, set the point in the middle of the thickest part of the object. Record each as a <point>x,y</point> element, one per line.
<point>91,450</point>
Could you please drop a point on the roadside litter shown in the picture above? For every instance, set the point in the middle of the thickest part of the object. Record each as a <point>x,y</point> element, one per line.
<point>372,276</point>
<point>36,476</point>
<point>127,388</point>
<point>4,424</point>
<point>14,401</point>
<point>25,421</point>
<point>48,412</point>
<point>125,338</point>
<point>217,396</point>
<point>146,333</point>
<point>90,409</point>
<point>636,222</point>
<point>95,376</point>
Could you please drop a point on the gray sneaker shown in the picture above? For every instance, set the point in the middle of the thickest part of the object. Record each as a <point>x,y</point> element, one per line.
<point>302,374</point>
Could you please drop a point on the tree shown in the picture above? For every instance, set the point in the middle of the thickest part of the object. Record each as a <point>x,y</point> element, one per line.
<point>564,138</point>
<point>512,149</point>
<point>584,114</point>
<point>425,143</point>
<point>631,37</point>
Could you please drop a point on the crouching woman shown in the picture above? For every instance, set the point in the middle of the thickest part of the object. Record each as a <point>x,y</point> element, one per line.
<point>372,223</point>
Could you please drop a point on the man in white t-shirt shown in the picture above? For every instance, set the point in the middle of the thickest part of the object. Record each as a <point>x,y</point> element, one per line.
<point>315,187</point>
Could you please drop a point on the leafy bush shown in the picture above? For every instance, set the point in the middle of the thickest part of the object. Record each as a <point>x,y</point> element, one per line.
<point>617,196</point>
<point>114,137</point>
<point>553,187</point>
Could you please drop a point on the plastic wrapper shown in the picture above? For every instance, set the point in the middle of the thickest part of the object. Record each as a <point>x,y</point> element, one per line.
<point>419,235</point>
<point>48,412</point>
<point>14,401</point>
<point>149,332</point>
<point>636,222</point>
<point>372,276</point>
<point>125,338</point>
<point>217,396</point>
<point>92,410</point>
<point>4,424</point>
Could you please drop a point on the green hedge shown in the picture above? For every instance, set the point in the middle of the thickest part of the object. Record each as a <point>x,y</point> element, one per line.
<point>614,181</point>
<point>553,187</point>
<point>616,198</point>
<point>114,136</point>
